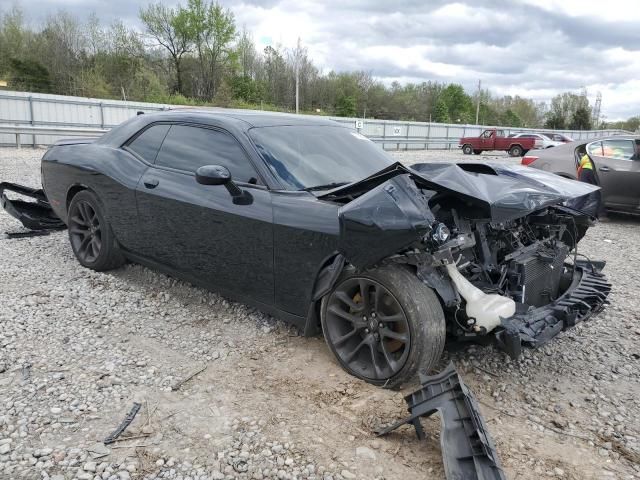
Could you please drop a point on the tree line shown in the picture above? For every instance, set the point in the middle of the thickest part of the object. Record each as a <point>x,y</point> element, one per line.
<point>195,54</point>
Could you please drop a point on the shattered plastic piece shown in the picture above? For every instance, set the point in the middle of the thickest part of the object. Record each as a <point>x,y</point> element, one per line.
<point>467,448</point>
<point>536,327</point>
<point>36,215</point>
<point>30,233</point>
<point>125,423</point>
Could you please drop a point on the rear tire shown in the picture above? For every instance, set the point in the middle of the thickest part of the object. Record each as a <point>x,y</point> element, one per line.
<point>477,152</point>
<point>467,149</point>
<point>383,325</point>
<point>92,240</point>
<point>516,151</point>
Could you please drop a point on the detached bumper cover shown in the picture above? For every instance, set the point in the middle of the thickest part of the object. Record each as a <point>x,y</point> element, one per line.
<point>586,296</point>
<point>468,452</point>
<point>36,215</point>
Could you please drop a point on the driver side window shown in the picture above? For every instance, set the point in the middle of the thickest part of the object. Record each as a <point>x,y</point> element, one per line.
<point>189,148</point>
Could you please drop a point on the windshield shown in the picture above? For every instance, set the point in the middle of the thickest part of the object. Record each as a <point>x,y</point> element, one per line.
<point>305,157</point>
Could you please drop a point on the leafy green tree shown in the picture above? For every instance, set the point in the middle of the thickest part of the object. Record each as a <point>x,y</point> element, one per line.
<point>213,30</point>
<point>346,106</point>
<point>29,75</point>
<point>246,88</point>
<point>581,119</point>
<point>511,119</point>
<point>555,121</point>
<point>441,112</point>
<point>170,28</point>
<point>14,38</point>
<point>458,103</point>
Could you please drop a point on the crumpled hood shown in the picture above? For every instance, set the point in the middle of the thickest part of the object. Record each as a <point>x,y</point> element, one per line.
<point>511,191</point>
<point>508,191</point>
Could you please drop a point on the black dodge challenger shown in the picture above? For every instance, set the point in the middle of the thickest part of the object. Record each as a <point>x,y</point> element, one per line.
<point>313,223</point>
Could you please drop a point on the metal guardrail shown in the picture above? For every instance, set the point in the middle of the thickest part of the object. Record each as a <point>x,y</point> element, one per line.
<point>406,141</point>
<point>19,130</point>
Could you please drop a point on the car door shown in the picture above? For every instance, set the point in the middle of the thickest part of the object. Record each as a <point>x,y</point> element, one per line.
<point>487,140</point>
<point>618,170</point>
<point>197,230</point>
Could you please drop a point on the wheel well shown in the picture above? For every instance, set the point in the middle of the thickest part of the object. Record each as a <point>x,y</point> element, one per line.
<point>72,193</point>
<point>326,277</point>
<point>515,145</point>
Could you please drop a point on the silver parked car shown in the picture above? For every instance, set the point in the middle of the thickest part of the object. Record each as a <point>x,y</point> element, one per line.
<point>542,140</point>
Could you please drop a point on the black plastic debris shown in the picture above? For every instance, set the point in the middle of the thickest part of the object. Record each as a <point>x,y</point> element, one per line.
<point>36,215</point>
<point>125,423</point>
<point>31,233</point>
<point>467,448</point>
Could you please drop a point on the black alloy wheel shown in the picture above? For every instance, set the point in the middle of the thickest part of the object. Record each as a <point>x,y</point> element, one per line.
<point>368,329</point>
<point>92,240</point>
<point>85,232</point>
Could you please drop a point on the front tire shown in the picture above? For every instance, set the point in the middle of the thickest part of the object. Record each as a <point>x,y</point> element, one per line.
<point>90,235</point>
<point>383,325</point>
<point>467,149</point>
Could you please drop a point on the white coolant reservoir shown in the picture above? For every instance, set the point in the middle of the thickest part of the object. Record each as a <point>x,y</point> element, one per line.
<point>487,309</point>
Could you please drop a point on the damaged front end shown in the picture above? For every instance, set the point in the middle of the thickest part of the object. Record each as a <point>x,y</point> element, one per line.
<point>34,215</point>
<point>499,245</point>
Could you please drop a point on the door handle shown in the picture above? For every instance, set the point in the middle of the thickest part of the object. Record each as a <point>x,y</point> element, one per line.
<point>150,182</point>
<point>604,169</point>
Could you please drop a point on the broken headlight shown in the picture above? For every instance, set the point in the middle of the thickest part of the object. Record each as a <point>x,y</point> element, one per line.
<point>440,234</point>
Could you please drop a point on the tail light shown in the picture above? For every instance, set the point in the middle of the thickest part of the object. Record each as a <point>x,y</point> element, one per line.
<point>528,159</point>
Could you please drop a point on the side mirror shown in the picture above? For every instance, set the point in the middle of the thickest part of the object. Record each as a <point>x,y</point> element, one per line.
<point>219,175</point>
<point>213,175</point>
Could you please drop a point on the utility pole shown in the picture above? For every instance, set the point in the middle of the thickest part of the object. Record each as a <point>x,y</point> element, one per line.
<point>298,55</point>
<point>297,88</point>
<point>478,104</point>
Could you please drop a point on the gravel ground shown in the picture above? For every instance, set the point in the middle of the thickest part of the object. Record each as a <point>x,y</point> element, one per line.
<point>77,348</point>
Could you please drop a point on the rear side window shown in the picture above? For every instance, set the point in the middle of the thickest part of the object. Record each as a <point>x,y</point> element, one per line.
<point>595,149</point>
<point>618,149</point>
<point>147,144</point>
<point>189,148</point>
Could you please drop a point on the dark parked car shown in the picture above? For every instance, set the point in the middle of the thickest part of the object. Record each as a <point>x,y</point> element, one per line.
<point>617,167</point>
<point>559,137</point>
<point>312,222</point>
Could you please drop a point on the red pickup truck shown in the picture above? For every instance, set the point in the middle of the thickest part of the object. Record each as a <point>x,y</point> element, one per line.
<point>494,139</point>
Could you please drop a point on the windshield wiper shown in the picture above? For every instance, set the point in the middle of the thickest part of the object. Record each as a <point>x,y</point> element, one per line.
<point>327,186</point>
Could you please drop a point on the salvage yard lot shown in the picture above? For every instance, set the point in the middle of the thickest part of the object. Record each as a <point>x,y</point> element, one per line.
<point>77,348</point>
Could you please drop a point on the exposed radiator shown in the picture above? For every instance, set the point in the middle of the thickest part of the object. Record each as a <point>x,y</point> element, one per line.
<point>539,274</point>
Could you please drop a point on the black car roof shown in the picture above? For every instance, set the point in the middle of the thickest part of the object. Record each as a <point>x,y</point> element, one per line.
<point>251,118</point>
<point>233,120</point>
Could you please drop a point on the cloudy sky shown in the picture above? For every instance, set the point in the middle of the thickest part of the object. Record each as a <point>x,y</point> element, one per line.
<point>534,48</point>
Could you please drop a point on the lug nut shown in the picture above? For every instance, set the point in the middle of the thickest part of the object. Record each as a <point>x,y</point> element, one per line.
<point>380,325</point>
<point>366,330</point>
<point>364,318</point>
